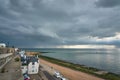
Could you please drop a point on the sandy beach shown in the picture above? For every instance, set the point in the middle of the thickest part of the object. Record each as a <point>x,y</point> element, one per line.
<point>69,73</point>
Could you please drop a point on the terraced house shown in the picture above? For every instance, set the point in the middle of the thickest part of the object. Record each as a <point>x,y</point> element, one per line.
<point>29,64</point>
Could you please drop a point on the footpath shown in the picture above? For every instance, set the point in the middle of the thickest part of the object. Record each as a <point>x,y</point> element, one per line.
<point>11,71</point>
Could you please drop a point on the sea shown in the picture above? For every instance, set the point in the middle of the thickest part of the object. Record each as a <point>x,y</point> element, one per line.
<point>103,59</point>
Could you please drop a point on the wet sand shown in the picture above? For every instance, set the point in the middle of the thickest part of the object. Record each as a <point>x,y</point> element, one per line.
<point>69,73</point>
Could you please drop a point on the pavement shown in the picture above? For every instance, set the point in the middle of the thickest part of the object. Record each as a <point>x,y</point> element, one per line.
<point>35,77</point>
<point>12,71</point>
<point>48,72</point>
<point>43,74</point>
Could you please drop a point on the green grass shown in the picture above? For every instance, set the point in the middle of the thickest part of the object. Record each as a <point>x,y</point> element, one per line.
<point>89,70</point>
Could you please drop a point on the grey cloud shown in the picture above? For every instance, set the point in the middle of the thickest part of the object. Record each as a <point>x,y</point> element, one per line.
<point>107,3</point>
<point>34,23</point>
<point>27,40</point>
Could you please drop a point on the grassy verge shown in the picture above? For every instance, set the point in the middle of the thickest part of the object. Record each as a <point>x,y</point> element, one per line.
<point>90,70</point>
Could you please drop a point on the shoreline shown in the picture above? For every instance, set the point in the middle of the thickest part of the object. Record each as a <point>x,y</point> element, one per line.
<point>82,68</point>
<point>70,74</point>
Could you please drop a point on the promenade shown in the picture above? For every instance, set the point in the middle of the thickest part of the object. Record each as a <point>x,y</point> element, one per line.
<point>12,71</point>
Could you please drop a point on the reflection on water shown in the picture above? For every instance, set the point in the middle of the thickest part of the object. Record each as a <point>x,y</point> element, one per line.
<point>108,60</point>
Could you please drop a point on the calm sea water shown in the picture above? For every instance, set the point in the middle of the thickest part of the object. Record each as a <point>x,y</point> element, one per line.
<point>108,60</point>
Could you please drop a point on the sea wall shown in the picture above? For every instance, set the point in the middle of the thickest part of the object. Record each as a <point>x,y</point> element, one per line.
<point>6,55</point>
<point>7,50</point>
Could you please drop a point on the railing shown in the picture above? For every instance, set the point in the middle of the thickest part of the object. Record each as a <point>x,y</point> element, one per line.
<point>4,59</point>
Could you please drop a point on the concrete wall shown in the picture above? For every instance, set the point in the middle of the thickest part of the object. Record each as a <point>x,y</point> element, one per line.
<point>6,55</point>
<point>7,50</point>
<point>5,60</point>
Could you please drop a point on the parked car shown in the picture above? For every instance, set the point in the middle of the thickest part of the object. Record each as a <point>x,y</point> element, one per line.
<point>63,78</point>
<point>26,77</point>
<point>57,74</point>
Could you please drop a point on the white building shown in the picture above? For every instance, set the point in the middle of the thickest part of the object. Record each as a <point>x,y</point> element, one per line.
<point>33,65</point>
<point>3,45</point>
<point>16,49</point>
<point>24,69</point>
<point>30,64</point>
<point>22,53</point>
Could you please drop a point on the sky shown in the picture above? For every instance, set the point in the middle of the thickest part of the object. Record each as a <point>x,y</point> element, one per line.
<point>60,23</point>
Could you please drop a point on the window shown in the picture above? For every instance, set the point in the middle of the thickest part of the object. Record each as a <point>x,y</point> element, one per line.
<point>32,66</point>
<point>22,67</point>
<point>32,70</point>
<point>33,63</point>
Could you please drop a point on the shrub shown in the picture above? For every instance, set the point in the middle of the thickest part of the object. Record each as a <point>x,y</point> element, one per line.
<point>3,70</point>
<point>17,59</point>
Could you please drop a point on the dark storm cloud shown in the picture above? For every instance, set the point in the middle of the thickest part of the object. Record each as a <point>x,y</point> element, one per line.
<point>46,23</point>
<point>108,3</point>
<point>20,39</point>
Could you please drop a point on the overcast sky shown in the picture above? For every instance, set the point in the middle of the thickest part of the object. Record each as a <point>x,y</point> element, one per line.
<point>60,23</point>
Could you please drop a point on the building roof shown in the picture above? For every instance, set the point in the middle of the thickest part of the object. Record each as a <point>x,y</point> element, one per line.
<point>22,52</point>
<point>27,59</point>
<point>32,59</point>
